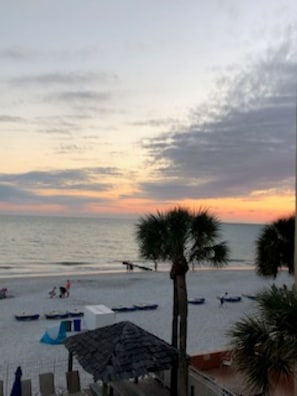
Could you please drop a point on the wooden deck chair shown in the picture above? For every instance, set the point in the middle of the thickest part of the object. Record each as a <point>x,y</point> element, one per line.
<point>47,384</point>
<point>73,382</point>
<point>26,386</point>
<point>1,387</point>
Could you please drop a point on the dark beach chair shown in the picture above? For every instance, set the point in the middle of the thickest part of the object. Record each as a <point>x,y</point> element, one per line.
<point>47,384</point>
<point>73,382</point>
<point>26,387</point>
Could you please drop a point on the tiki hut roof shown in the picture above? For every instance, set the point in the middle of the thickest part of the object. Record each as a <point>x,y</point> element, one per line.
<point>120,351</point>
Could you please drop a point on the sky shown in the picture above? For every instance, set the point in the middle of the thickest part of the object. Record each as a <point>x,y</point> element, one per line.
<point>127,107</point>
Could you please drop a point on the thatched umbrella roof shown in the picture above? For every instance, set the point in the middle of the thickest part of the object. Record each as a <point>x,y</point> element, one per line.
<point>121,351</point>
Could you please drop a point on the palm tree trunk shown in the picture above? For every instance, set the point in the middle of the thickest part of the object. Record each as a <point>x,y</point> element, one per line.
<point>174,336</point>
<point>182,382</point>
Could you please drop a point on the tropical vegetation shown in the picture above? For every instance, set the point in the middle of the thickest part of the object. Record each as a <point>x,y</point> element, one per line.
<point>181,237</point>
<point>265,345</point>
<point>275,247</point>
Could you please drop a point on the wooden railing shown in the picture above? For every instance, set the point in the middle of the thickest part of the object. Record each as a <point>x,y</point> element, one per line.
<point>201,384</point>
<point>32,369</point>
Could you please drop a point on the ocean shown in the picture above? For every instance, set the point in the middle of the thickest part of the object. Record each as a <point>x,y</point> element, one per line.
<point>48,245</point>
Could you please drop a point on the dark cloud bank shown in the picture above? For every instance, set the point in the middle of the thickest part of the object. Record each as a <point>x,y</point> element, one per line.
<point>241,141</point>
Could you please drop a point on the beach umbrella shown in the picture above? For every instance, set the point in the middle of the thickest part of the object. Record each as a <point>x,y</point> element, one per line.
<point>16,389</point>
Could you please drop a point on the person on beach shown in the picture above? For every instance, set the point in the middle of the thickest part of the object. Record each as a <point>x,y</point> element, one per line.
<point>52,292</point>
<point>3,292</point>
<point>222,298</point>
<point>67,287</point>
<point>63,292</point>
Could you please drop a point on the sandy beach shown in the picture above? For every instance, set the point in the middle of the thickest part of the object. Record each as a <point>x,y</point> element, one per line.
<point>207,323</point>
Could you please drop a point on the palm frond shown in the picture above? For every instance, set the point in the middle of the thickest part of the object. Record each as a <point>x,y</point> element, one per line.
<point>275,247</point>
<point>265,345</point>
<point>205,231</point>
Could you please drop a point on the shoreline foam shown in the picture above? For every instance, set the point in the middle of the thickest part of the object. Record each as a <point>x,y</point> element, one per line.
<point>98,272</point>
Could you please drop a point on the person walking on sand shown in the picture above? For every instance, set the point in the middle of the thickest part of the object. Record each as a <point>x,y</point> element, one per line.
<point>52,292</point>
<point>222,298</point>
<point>63,292</point>
<point>67,287</point>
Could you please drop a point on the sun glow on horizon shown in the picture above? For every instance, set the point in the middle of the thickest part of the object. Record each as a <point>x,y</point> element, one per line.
<point>245,210</point>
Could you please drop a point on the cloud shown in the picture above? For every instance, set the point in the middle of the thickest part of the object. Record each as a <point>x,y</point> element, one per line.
<point>70,189</point>
<point>12,119</point>
<point>17,196</point>
<point>77,188</point>
<point>152,123</point>
<point>70,148</point>
<point>56,131</point>
<point>167,190</point>
<point>14,194</point>
<point>74,179</point>
<point>79,96</point>
<point>17,54</point>
<point>27,54</point>
<point>64,127</point>
<point>241,141</point>
<point>58,78</point>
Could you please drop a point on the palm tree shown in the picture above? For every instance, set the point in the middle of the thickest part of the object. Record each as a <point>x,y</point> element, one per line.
<point>206,231</point>
<point>175,236</point>
<point>149,235</point>
<point>275,247</point>
<point>265,345</point>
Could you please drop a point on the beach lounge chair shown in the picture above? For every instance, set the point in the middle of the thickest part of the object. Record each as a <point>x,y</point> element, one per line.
<point>73,384</point>
<point>26,386</point>
<point>47,384</point>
